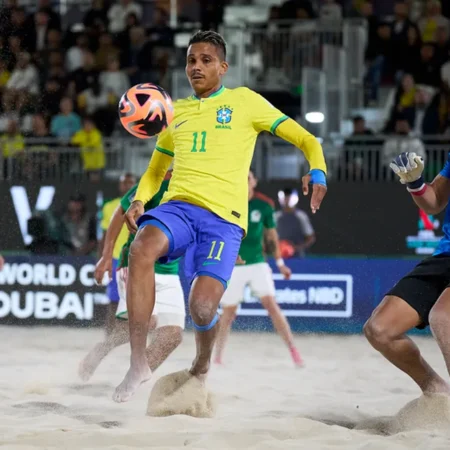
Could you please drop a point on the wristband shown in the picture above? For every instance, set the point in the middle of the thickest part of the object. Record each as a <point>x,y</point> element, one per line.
<point>280,262</point>
<point>318,177</point>
<point>417,187</point>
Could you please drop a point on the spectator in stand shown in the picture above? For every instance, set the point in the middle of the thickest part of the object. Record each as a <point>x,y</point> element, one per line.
<point>138,61</point>
<point>118,13</point>
<point>65,124</point>
<point>13,51</point>
<point>101,105</point>
<point>96,18</point>
<point>330,10</point>
<point>40,159</point>
<point>378,55</point>
<point>399,34</point>
<point>20,29</point>
<point>90,142</point>
<point>85,77</point>
<point>5,15</point>
<point>123,39</point>
<point>54,20</point>
<point>409,58</point>
<point>12,147</point>
<point>106,49</point>
<point>437,120</point>
<point>23,85</point>
<point>75,54</point>
<point>40,29</point>
<point>80,226</point>
<point>401,102</point>
<point>4,76</point>
<point>428,71</point>
<point>289,9</point>
<point>402,141</point>
<point>51,96</point>
<point>432,21</point>
<point>159,33</point>
<point>113,80</point>
<point>422,113</point>
<point>442,46</point>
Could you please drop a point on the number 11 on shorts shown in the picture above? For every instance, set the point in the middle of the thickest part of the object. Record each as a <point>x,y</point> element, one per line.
<point>219,250</point>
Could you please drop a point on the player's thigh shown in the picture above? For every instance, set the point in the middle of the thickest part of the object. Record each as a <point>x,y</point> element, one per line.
<point>217,249</point>
<point>409,302</point>
<point>170,304</point>
<point>234,293</point>
<point>261,280</point>
<point>440,313</point>
<point>170,220</point>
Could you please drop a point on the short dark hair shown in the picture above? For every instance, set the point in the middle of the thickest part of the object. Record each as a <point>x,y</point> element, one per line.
<point>288,191</point>
<point>210,37</point>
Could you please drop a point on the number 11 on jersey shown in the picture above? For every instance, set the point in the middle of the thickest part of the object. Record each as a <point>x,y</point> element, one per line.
<point>219,250</point>
<point>194,144</point>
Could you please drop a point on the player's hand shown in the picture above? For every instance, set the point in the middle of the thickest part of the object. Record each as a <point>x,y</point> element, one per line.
<point>239,260</point>
<point>103,266</point>
<point>286,272</point>
<point>2,262</point>
<point>408,166</point>
<point>318,180</point>
<point>133,213</point>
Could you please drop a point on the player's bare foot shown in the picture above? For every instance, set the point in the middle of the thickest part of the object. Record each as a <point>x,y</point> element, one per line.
<point>91,361</point>
<point>133,379</point>
<point>437,386</point>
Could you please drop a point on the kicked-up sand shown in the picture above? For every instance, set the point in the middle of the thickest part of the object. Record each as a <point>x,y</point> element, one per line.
<point>347,397</point>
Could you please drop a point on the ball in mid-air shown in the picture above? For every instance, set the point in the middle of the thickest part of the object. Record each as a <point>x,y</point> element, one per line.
<point>145,110</point>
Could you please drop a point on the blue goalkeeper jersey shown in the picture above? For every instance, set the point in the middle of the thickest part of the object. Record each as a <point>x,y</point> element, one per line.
<point>444,244</point>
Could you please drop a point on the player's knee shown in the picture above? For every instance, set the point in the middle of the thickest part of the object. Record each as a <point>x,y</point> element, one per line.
<point>202,309</point>
<point>142,252</point>
<point>376,332</point>
<point>439,318</point>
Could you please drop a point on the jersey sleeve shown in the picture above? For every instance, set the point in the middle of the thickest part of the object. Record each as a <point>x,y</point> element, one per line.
<point>269,217</point>
<point>128,198</point>
<point>264,116</point>
<point>445,172</point>
<point>164,144</point>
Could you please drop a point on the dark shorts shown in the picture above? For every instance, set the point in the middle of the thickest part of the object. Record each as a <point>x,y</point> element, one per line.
<point>422,287</point>
<point>211,244</point>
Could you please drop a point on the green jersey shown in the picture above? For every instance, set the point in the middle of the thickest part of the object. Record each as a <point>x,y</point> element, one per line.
<point>164,269</point>
<point>260,218</point>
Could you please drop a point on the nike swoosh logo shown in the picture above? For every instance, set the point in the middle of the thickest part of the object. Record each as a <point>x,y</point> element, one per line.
<point>209,263</point>
<point>179,124</point>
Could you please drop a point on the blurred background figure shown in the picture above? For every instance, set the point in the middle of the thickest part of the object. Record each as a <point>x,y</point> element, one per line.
<point>293,225</point>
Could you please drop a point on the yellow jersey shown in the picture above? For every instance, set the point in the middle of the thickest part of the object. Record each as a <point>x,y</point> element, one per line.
<point>107,213</point>
<point>212,141</point>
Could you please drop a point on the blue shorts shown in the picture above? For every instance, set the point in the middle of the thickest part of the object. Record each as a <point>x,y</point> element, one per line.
<point>111,290</point>
<point>210,243</point>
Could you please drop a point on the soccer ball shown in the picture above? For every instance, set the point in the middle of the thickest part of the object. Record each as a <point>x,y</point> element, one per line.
<point>145,110</point>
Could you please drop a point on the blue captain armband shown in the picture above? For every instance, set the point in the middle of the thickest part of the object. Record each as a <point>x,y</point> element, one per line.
<point>318,177</point>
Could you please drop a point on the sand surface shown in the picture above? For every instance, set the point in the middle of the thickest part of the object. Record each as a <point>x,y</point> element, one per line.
<point>262,401</point>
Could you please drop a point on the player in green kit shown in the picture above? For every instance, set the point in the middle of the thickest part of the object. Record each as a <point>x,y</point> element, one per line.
<point>169,312</point>
<point>256,273</point>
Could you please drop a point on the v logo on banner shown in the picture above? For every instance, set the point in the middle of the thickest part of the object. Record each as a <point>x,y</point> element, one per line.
<point>22,206</point>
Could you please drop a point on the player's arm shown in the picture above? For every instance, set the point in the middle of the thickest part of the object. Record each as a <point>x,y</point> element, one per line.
<point>273,248</point>
<point>431,198</point>
<point>151,180</point>
<point>267,118</point>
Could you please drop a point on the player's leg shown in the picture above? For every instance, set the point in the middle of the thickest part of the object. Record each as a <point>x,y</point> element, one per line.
<point>214,259</point>
<point>118,334</point>
<point>440,325</point>
<point>406,306</point>
<point>171,319</point>
<point>263,286</point>
<point>230,303</point>
<point>226,321</point>
<point>161,232</point>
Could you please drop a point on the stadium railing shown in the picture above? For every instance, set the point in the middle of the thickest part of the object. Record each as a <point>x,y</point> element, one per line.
<point>349,159</point>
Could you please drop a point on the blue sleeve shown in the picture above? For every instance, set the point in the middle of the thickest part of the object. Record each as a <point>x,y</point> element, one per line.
<point>445,172</point>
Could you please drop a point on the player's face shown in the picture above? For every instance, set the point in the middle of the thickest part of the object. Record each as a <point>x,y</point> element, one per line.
<point>204,67</point>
